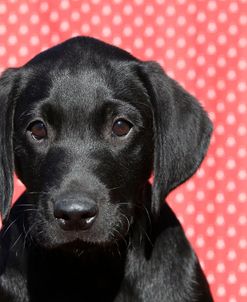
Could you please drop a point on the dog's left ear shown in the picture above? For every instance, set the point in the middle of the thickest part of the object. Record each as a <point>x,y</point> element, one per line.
<point>182,132</point>
<point>7,104</point>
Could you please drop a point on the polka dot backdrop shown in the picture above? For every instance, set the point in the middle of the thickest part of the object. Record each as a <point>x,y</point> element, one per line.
<point>202,44</point>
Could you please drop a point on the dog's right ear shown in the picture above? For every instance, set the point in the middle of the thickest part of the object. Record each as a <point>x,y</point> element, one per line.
<point>7,105</point>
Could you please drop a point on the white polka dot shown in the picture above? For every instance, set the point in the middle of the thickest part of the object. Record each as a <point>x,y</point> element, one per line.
<point>34,19</point>
<point>242,174</point>
<point>231,255</point>
<point>233,29</point>
<point>159,42</point>
<point>242,86</point>
<point>190,185</point>
<point>44,6</point>
<point>211,278</point>
<point>201,39</point>
<point>232,279</point>
<point>210,254</point>
<point>2,50</point>
<point>210,231</point>
<point>211,71</point>
<point>221,291</point>
<point>106,31</point>
<point>210,184</point>
<point>231,186</point>
<point>200,83</point>
<point>220,107</point>
<point>243,20</point>
<point>191,74</point>
<point>201,17</point>
<point>54,16</point>
<point>222,17</point>
<point>242,243</point>
<point>12,61</point>
<point>23,51</point>
<point>231,209</point>
<point>220,175</point>
<point>230,119</point>
<point>242,197</point>
<point>233,7</point>
<point>231,232</point>
<point>138,21</point>
<point>85,28</point>
<point>23,8</point>
<point>190,209</point>
<point>190,232</point>
<point>243,291</point>
<point>231,97</point>
<point>230,164</point>
<point>85,7</point>
<point>138,43</point>
<point>160,20</point>
<point>212,27</point>
<point>149,10</point>
<point>200,218</point>
<point>220,198</point>
<point>95,19</point>
<point>200,242</point>
<point>191,8</point>
<point>106,10</point>
<point>241,108</point>
<point>170,10</point>
<point>220,220</point>
<point>34,40</point>
<point>170,32</point>
<point>221,62</point>
<point>75,16</point>
<point>12,40</point>
<point>242,267</point>
<point>3,29</point>
<point>241,152</point>
<point>170,53</point>
<point>149,52</point>
<point>191,30</point>
<point>64,26</point>
<point>149,31</point>
<point>181,20</point>
<point>220,268</point>
<point>3,8</point>
<point>191,52</point>
<point>117,19</point>
<point>179,197</point>
<point>117,41</point>
<point>45,29</point>
<point>220,152</point>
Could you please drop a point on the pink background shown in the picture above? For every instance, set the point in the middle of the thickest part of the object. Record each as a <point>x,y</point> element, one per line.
<point>202,44</point>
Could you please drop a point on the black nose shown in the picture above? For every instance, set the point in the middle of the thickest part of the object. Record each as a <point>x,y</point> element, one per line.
<point>74,214</point>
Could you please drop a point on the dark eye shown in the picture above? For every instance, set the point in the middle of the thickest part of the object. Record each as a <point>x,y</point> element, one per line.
<point>38,130</point>
<point>121,127</point>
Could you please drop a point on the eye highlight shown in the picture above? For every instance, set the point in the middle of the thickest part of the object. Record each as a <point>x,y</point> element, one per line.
<point>38,130</point>
<point>121,127</point>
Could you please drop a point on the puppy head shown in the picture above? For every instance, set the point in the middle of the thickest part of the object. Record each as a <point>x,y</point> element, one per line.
<point>84,124</point>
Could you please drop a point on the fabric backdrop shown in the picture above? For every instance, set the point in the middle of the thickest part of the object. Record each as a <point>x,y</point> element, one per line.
<point>202,44</point>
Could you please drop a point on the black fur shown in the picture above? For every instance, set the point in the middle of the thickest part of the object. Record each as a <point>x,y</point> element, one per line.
<point>135,250</point>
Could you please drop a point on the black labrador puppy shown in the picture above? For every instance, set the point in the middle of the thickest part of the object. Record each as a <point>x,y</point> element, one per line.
<point>84,124</point>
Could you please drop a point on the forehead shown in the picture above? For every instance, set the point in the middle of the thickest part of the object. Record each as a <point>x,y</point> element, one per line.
<point>82,86</point>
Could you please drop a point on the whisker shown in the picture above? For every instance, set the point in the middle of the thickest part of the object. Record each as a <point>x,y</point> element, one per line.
<point>33,192</point>
<point>9,226</point>
<point>16,241</point>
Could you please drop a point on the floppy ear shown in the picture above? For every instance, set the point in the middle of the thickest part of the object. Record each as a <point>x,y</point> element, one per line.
<point>7,104</point>
<point>182,132</point>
